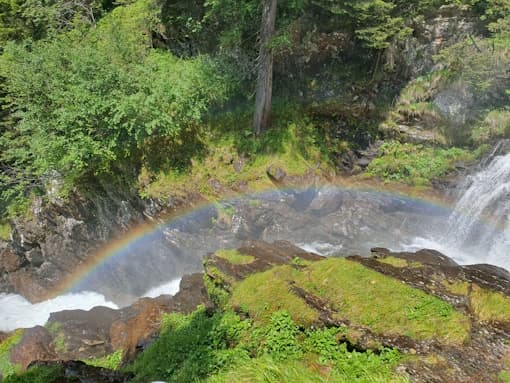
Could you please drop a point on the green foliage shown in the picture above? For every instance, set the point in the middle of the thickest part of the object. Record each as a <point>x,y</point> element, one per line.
<point>37,375</point>
<point>90,102</point>
<point>234,257</point>
<point>281,339</point>
<point>223,348</point>
<point>415,164</point>
<point>496,124</point>
<point>111,361</point>
<point>192,347</point>
<point>5,231</point>
<point>6,367</point>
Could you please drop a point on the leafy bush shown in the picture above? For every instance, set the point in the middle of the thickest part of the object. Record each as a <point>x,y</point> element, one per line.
<point>6,367</point>
<point>111,361</point>
<point>192,347</point>
<point>415,164</point>
<point>37,375</point>
<point>496,124</point>
<point>281,340</point>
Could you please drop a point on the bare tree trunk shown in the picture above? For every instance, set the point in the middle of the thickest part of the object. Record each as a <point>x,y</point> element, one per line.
<point>262,117</point>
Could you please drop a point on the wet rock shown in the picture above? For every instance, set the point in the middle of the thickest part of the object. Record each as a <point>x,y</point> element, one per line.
<point>276,173</point>
<point>455,104</point>
<point>84,334</point>
<point>59,235</point>
<point>79,334</point>
<point>265,257</point>
<point>9,260</point>
<point>35,345</point>
<point>327,200</point>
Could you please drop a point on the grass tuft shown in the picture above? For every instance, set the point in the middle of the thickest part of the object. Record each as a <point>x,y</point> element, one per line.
<point>234,257</point>
<point>489,305</point>
<point>6,367</point>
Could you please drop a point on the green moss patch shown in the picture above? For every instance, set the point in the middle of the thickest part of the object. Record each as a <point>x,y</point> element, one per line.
<point>59,342</point>
<point>234,257</point>
<point>457,288</point>
<point>6,367</point>
<point>270,291</point>
<point>415,164</point>
<point>383,304</point>
<point>45,374</point>
<point>490,305</point>
<point>393,261</point>
<point>111,361</point>
<point>358,294</point>
<point>5,231</point>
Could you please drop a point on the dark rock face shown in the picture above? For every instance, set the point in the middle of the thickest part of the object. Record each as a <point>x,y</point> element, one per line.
<point>36,344</point>
<point>76,371</point>
<point>9,260</point>
<point>447,28</point>
<point>61,235</point>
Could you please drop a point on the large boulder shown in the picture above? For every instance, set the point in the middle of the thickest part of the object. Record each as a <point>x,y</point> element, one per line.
<point>36,344</point>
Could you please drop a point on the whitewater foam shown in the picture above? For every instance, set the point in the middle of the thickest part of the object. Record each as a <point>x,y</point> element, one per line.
<point>17,312</point>
<point>321,248</point>
<point>170,288</point>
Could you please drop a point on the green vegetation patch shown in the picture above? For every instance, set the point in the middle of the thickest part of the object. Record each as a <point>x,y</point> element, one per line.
<point>6,367</point>
<point>270,291</point>
<point>192,347</point>
<point>5,231</point>
<point>490,305</point>
<point>458,288</point>
<point>383,304</point>
<point>496,124</point>
<point>393,261</point>
<point>47,374</point>
<point>225,348</point>
<point>234,257</point>
<point>415,164</point>
<point>111,361</point>
<point>59,338</point>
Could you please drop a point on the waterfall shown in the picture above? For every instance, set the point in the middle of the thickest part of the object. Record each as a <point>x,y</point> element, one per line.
<point>478,230</point>
<point>481,220</point>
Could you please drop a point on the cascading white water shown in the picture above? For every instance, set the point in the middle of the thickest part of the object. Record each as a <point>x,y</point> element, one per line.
<point>481,221</point>
<point>478,231</point>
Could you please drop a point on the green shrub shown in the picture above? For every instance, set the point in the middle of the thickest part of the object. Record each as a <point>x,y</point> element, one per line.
<point>281,339</point>
<point>37,375</point>
<point>6,367</point>
<point>415,164</point>
<point>111,361</point>
<point>496,124</point>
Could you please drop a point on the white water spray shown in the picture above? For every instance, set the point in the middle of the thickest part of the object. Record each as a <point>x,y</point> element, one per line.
<point>478,231</point>
<point>17,312</point>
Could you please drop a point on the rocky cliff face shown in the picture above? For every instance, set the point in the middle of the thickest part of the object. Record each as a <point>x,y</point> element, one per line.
<point>61,234</point>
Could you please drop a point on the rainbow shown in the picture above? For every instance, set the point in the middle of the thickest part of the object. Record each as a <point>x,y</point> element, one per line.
<point>118,246</point>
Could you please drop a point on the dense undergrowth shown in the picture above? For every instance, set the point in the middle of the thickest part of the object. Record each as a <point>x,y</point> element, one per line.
<point>223,348</point>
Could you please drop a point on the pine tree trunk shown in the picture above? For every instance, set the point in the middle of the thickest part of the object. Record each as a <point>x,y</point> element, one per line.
<point>264,91</point>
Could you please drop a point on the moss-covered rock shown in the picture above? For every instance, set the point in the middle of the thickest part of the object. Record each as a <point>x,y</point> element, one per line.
<point>423,304</point>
